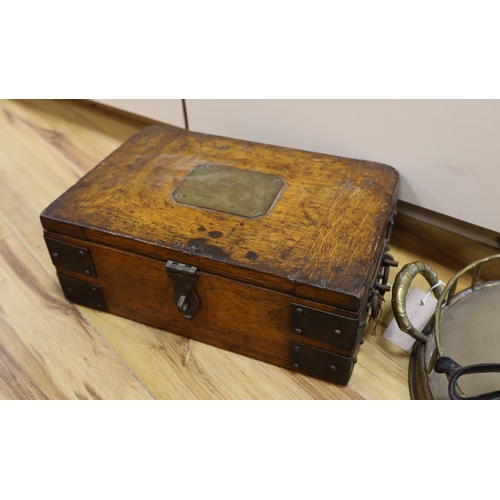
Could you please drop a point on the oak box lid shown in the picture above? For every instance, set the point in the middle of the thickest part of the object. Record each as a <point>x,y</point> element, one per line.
<point>299,222</point>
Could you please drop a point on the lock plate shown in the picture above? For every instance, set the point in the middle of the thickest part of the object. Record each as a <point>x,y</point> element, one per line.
<point>184,279</point>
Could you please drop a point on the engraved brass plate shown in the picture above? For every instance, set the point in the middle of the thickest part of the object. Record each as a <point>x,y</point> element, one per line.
<point>229,190</point>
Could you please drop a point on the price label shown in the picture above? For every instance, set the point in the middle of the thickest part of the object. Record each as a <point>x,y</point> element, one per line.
<point>420,307</point>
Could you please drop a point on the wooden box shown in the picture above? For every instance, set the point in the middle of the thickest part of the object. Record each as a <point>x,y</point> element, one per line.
<point>269,252</point>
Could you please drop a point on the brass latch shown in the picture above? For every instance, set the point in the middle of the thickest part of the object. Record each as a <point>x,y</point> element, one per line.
<point>184,278</point>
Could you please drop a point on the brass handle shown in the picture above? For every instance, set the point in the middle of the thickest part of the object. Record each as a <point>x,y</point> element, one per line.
<point>400,290</point>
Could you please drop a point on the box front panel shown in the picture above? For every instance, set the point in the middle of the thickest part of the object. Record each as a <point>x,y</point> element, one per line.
<point>238,317</point>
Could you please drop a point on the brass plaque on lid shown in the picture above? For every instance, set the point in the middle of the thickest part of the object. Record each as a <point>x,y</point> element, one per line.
<point>229,190</point>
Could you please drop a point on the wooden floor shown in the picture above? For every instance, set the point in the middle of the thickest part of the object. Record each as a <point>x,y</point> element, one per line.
<point>51,349</point>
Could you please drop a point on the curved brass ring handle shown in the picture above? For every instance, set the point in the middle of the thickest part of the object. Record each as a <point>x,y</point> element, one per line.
<point>400,290</point>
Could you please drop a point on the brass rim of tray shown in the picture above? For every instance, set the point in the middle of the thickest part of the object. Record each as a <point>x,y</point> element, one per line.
<point>448,295</point>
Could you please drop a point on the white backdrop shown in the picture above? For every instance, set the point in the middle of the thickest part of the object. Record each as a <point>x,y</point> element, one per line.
<point>446,151</point>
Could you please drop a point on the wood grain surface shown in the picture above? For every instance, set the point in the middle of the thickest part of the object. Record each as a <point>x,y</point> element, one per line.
<point>239,317</point>
<point>47,349</point>
<point>50,348</point>
<point>321,239</point>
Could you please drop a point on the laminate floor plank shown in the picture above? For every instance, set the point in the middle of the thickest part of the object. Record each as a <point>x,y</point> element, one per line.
<point>173,367</point>
<point>4,230</point>
<point>82,132</point>
<point>32,172</point>
<point>47,350</point>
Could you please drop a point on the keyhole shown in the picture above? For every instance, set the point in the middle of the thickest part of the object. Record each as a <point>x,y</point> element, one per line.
<point>183,305</point>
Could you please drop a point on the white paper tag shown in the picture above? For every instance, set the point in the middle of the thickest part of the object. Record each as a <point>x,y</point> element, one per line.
<point>419,315</point>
